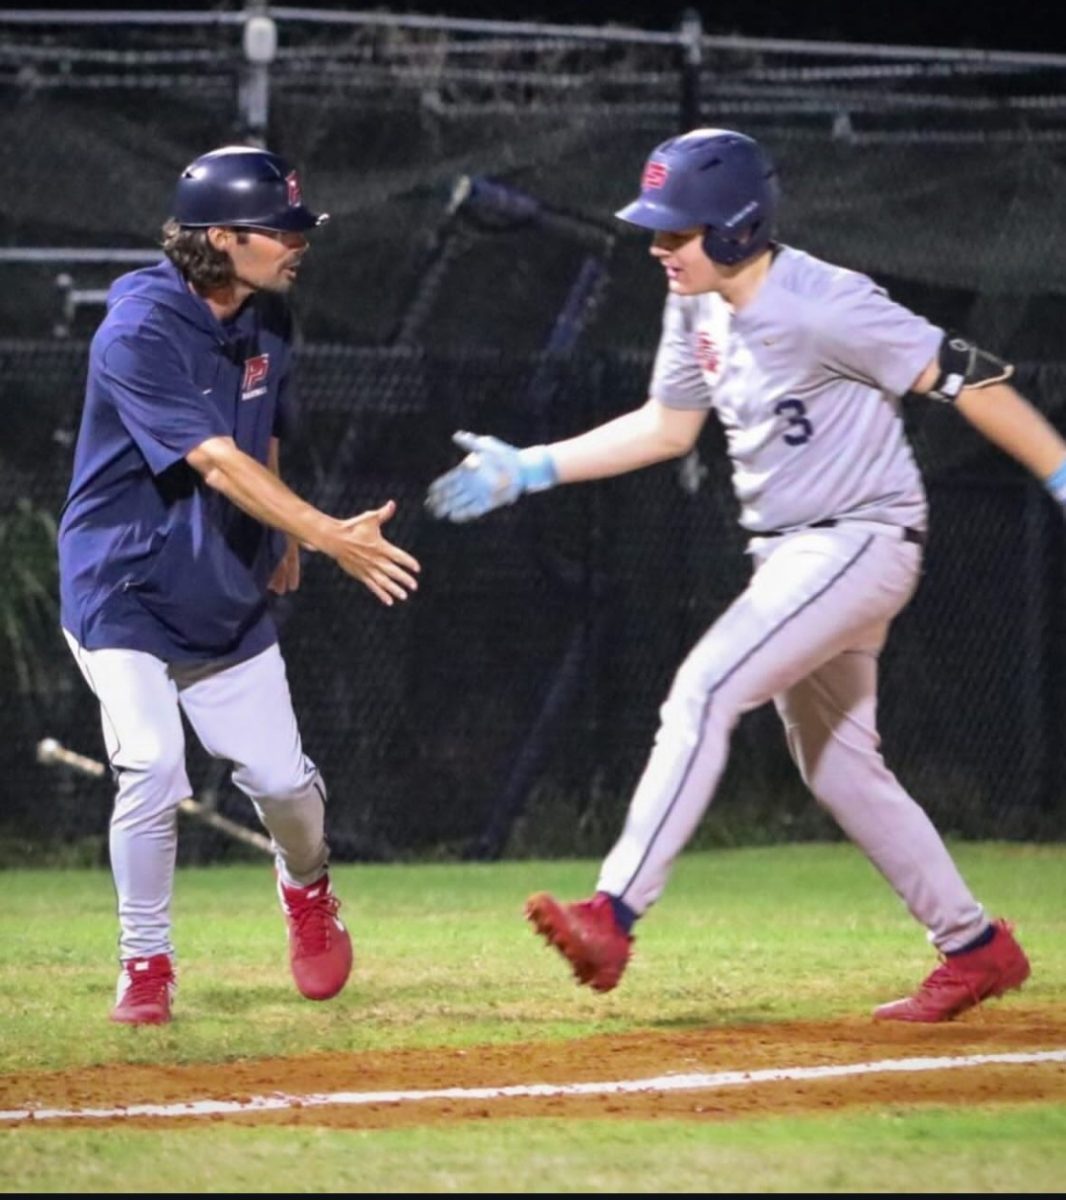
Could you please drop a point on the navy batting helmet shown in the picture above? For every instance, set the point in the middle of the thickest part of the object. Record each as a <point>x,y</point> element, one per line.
<point>715,178</point>
<point>242,186</point>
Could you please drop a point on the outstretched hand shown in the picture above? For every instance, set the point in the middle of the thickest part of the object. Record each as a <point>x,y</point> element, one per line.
<point>366,554</point>
<point>489,476</point>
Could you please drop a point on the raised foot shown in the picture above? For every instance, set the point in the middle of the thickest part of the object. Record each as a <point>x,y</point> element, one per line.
<point>586,934</point>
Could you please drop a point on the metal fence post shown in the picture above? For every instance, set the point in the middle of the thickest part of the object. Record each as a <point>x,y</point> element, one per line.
<point>691,67</point>
<point>260,43</point>
<point>690,470</point>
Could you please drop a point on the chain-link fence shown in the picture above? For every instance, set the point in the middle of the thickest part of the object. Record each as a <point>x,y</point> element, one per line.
<point>472,277</point>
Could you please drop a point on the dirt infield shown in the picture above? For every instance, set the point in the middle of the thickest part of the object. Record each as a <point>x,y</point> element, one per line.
<point>745,1048</point>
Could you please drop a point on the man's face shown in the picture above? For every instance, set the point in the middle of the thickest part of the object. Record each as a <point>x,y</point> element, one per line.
<point>689,271</point>
<point>264,259</point>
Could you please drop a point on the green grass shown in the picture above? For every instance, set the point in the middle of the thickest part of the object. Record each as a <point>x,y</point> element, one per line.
<point>444,958</point>
<point>939,1150</point>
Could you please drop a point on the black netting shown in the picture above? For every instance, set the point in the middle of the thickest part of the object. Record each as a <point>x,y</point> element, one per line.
<point>940,173</point>
<point>510,705</point>
<point>472,277</point>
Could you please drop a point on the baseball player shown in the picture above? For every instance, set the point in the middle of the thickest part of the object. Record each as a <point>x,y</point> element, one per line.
<point>804,364</point>
<point>175,527</point>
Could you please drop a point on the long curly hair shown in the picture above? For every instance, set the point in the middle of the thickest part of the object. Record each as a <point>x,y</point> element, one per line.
<point>192,253</point>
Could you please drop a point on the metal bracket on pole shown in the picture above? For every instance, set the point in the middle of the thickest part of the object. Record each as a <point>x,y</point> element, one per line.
<point>71,299</point>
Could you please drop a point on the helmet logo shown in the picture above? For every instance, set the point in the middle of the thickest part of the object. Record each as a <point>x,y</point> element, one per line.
<point>292,184</point>
<point>655,174</point>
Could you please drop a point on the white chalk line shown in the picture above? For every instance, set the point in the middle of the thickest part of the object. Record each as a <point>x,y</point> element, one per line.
<point>280,1101</point>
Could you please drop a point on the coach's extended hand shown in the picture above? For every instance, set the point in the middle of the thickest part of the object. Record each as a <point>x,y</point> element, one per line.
<point>493,473</point>
<point>359,547</point>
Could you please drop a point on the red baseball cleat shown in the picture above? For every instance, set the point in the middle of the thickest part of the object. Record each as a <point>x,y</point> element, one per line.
<point>963,980</point>
<point>586,934</point>
<point>145,989</point>
<point>320,950</point>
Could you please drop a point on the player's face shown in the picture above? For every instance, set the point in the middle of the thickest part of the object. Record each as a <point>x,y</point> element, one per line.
<point>267,259</point>
<point>688,269</point>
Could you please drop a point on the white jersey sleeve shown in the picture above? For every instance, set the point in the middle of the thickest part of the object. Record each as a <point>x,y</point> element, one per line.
<point>863,335</point>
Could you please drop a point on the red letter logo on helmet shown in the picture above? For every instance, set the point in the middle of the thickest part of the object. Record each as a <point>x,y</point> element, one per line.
<point>655,174</point>
<point>293,185</point>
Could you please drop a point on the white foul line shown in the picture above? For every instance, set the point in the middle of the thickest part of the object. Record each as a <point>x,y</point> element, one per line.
<point>662,1083</point>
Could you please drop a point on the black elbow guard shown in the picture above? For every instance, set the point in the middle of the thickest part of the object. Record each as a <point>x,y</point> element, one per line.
<point>963,365</point>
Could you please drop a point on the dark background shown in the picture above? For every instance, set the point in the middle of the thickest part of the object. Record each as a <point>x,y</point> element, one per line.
<point>958,23</point>
<point>985,26</point>
<point>963,23</point>
<point>509,709</point>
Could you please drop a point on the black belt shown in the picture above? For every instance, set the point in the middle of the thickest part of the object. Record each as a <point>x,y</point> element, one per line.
<point>917,536</point>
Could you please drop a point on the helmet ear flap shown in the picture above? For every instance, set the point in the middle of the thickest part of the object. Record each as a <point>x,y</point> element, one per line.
<point>731,250</point>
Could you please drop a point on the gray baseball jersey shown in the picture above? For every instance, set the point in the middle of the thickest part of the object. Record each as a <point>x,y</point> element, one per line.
<point>806,380</point>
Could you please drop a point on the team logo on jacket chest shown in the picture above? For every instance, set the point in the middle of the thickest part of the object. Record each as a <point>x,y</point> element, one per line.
<point>255,373</point>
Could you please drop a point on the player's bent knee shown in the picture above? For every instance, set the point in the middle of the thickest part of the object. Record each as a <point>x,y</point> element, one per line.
<point>149,792</point>
<point>280,781</point>
<point>150,757</point>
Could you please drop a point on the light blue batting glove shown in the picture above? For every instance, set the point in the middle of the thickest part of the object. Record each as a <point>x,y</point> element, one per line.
<point>1056,485</point>
<point>493,473</point>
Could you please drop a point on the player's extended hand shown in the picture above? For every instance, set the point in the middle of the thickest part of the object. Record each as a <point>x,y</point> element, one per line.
<point>365,553</point>
<point>489,476</point>
<point>286,577</point>
<point>493,473</point>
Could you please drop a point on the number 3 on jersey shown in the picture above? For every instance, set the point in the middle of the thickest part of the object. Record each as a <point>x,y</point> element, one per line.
<point>800,430</point>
